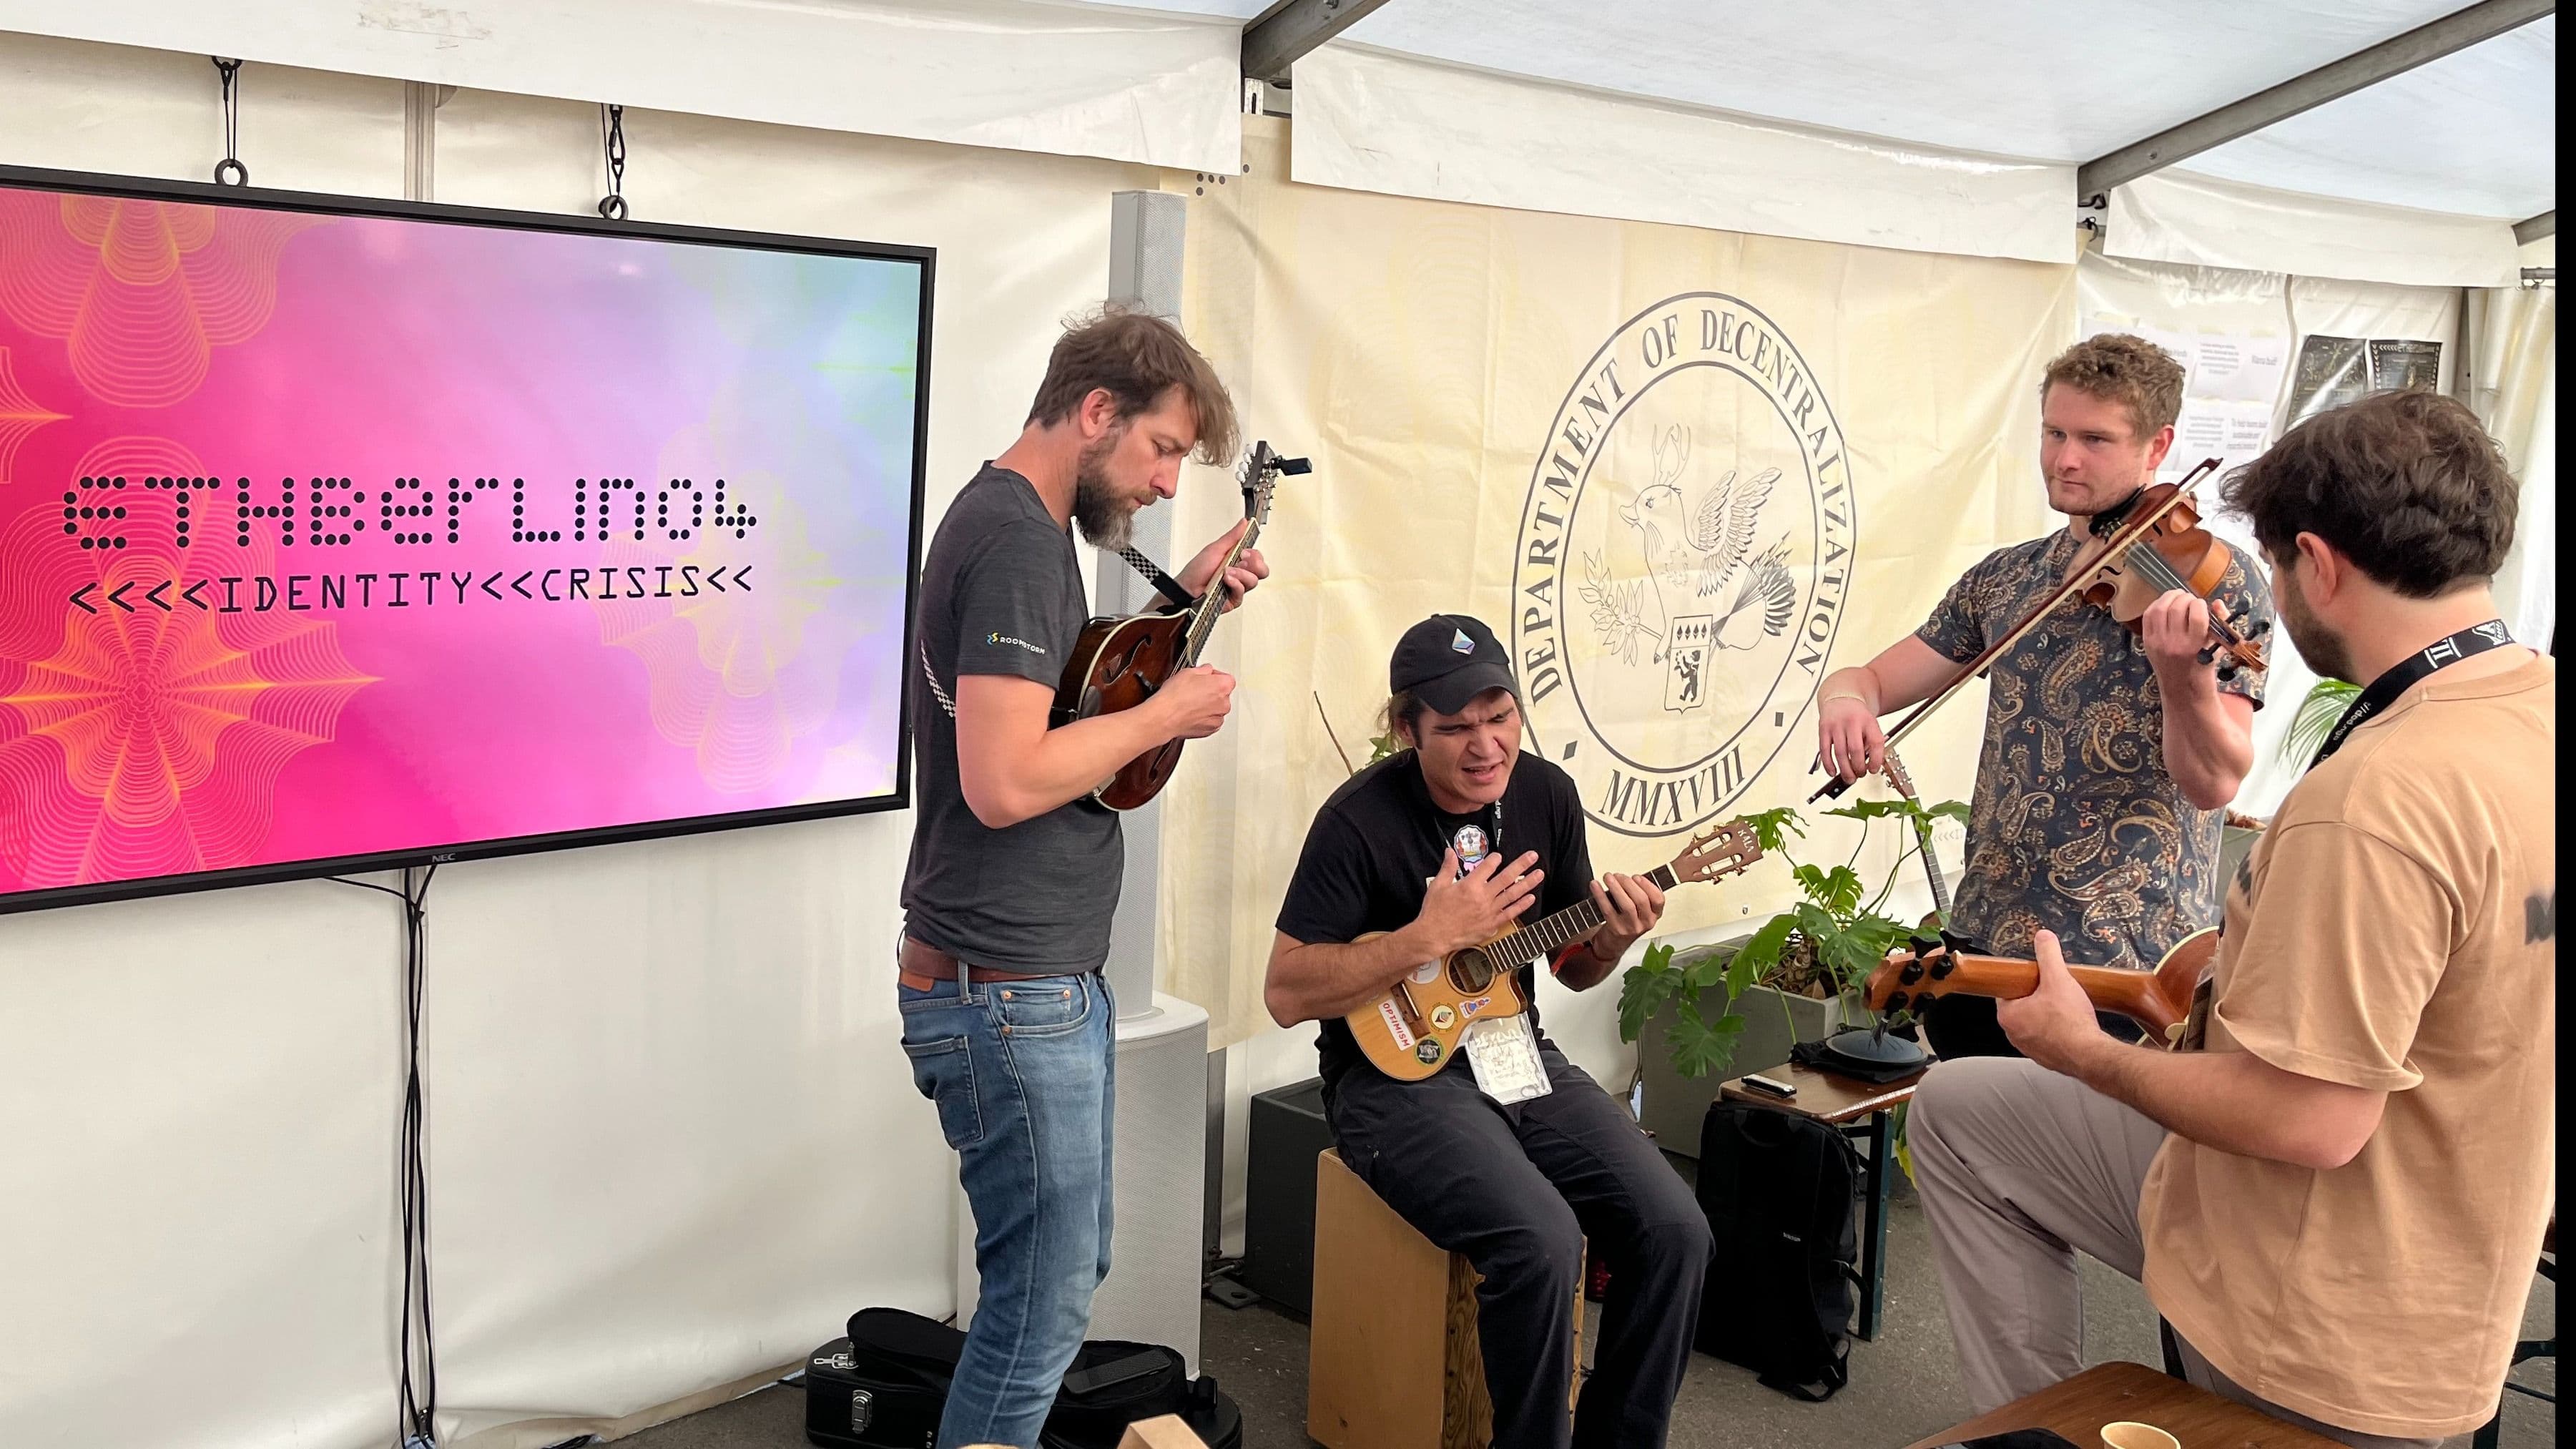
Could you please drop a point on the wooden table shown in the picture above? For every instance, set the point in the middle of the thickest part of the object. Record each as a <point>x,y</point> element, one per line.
<point>1840,1101</point>
<point>2111,1392</point>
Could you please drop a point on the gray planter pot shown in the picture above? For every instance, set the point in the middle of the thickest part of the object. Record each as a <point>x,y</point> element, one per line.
<point>1672,1105</point>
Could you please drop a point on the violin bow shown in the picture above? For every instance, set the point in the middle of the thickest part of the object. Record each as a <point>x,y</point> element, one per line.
<point>2130,532</point>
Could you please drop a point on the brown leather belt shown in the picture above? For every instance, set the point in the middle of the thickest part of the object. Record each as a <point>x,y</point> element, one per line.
<point>923,967</point>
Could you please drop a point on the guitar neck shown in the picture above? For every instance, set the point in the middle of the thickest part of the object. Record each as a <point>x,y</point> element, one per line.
<point>2130,993</point>
<point>1551,934</point>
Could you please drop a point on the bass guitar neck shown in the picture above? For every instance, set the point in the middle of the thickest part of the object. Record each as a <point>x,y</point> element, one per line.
<point>2158,1000</point>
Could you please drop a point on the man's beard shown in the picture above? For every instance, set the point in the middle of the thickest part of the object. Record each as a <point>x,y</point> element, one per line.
<point>1106,519</point>
<point>2324,651</point>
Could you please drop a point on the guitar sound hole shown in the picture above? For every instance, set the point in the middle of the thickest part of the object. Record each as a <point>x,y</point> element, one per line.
<point>1471,971</point>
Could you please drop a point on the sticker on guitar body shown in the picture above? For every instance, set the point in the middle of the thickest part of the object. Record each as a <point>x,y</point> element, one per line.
<point>1395,1026</point>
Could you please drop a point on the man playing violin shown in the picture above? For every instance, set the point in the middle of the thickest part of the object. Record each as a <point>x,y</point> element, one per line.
<point>2108,754</point>
<point>2335,1189</point>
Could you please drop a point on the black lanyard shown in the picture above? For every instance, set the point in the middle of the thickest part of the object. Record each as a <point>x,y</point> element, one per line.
<point>2383,691</point>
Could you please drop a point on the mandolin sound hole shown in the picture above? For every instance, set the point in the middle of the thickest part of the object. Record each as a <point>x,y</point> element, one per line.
<point>1471,971</point>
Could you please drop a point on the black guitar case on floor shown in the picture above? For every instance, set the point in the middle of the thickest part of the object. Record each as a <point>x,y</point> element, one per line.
<point>883,1387</point>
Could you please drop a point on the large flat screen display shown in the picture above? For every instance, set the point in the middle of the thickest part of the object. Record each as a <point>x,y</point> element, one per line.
<point>338,535</point>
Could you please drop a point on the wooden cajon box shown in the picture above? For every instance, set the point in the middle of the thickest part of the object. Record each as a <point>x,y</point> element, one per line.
<point>1393,1361</point>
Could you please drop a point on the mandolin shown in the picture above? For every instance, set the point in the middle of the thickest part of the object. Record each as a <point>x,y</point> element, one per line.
<point>1119,662</point>
<point>2158,1000</point>
<point>1413,1029</point>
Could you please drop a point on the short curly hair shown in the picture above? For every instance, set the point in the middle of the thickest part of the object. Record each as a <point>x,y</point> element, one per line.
<point>2405,484</point>
<point>2117,367</point>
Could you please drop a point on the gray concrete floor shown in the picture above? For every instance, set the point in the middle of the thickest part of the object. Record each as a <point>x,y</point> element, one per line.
<point>1903,1385</point>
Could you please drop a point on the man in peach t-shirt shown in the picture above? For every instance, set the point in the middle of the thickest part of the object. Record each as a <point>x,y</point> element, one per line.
<point>2335,1189</point>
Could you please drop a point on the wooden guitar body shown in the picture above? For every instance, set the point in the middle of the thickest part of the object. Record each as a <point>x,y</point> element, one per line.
<point>2158,1000</point>
<point>1413,1030</point>
<point>1118,663</point>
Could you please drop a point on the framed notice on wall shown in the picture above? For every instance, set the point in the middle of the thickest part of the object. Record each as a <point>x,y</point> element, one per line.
<point>340,535</point>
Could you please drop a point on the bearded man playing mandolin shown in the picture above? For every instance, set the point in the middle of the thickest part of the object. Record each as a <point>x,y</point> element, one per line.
<point>2108,754</point>
<point>2336,1190</point>
<point>1507,1152</point>
<point>1015,867</point>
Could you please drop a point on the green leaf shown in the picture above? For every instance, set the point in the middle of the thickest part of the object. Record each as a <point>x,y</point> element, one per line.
<point>1772,828</point>
<point>1762,953</point>
<point>1701,1048</point>
<point>1706,972</point>
<point>1878,810</point>
<point>1741,977</point>
<point>1645,987</point>
<point>2325,703</point>
<point>1842,890</point>
<point>1953,810</point>
<point>1641,994</point>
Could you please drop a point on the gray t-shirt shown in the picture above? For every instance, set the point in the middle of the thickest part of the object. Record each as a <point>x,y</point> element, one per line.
<point>1002,594</point>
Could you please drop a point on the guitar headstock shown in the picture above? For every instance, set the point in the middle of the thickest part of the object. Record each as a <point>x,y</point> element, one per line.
<point>1718,852</point>
<point>1894,769</point>
<point>1913,973</point>
<point>1261,470</point>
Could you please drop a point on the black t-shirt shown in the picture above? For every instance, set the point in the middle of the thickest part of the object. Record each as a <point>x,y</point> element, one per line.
<point>1376,843</point>
<point>1002,594</point>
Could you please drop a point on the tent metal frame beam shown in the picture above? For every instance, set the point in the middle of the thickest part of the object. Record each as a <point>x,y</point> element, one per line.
<point>2395,56</point>
<point>2533,228</point>
<point>1274,42</point>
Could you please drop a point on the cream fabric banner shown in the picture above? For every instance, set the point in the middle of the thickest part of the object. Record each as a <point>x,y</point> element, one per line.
<point>1683,474</point>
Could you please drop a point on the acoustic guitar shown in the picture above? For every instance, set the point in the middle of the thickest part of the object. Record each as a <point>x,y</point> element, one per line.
<point>2159,1000</point>
<point>1413,1029</point>
<point>1119,662</point>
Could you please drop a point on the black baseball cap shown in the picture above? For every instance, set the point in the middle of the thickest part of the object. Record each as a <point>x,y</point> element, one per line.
<point>1449,659</point>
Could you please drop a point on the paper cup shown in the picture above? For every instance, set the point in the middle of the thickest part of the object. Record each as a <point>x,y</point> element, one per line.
<point>2128,1434</point>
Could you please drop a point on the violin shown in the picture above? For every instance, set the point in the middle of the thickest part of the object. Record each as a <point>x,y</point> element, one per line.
<point>2145,548</point>
<point>2168,551</point>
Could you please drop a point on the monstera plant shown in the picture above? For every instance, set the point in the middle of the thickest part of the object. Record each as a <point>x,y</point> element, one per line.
<point>1824,946</point>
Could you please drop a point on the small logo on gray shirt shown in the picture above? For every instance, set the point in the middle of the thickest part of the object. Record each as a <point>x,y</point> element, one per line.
<point>998,637</point>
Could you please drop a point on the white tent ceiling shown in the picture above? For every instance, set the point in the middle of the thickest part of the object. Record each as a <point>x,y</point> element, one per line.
<point>2043,80</point>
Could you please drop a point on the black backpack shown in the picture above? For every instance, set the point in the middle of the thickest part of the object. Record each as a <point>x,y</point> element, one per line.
<point>883,1387</point>
<point>1780,1191</point>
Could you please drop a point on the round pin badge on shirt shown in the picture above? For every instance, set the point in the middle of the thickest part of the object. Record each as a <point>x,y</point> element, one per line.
<point>1470,844</point>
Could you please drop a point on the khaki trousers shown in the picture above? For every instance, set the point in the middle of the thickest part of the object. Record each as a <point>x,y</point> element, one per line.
<point>2020,1168</point>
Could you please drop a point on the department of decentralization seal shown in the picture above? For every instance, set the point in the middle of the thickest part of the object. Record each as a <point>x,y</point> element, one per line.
<point>1682,563</point>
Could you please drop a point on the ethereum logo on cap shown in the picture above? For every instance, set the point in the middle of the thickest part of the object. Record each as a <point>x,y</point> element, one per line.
<point>1459,642</point>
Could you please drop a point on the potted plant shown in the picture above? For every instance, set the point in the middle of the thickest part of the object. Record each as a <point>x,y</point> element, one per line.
<point>1737,1006</point>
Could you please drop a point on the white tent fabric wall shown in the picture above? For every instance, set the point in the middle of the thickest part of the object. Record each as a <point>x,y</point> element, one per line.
<point>2513,384</point>
<point>673,1141</point>
<point>1371,120</point>
<point>1125,84</point>
<point>2203,221</point>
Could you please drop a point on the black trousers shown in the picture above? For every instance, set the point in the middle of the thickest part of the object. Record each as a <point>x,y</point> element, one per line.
<point>1517,1189</point>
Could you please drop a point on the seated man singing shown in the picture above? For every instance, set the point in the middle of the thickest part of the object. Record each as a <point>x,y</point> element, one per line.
<point>1507,1153</point>
<point>2335,1188</point>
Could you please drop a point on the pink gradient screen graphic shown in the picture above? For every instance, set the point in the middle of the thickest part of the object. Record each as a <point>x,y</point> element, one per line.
<point>334,536</point>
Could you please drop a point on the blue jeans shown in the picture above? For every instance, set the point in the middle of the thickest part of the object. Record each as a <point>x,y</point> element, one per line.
<point>1022,1072</point>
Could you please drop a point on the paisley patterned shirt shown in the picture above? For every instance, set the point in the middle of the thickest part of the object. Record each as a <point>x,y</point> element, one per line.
<point>2076,828</point>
